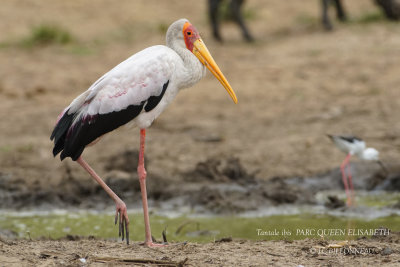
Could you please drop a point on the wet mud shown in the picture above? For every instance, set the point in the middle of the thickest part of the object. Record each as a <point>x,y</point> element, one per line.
<point>219,186</point>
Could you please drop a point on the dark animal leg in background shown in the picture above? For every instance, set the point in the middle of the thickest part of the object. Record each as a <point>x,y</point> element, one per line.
<point>391,8</point>
<point>325,16</point>
<point>213,6</point>
<point>237,16</point>
<point>340,13</point>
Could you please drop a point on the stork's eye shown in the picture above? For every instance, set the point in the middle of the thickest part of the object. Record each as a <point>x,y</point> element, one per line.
<point>189,33</point>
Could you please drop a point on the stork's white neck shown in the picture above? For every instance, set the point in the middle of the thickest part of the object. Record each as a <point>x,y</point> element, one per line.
<point>192,70</point>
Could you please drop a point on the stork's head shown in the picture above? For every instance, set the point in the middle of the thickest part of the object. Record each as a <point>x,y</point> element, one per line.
<point>185,33</point>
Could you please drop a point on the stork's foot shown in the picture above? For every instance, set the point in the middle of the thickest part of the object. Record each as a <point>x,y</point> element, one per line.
<point>121,216</point>
<point>154,245</point>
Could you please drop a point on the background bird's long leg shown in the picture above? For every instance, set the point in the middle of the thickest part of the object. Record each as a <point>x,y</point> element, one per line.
<point>352,193</point>
<point>121,210</point>
<point>142,179</point>
<point>344,178</point>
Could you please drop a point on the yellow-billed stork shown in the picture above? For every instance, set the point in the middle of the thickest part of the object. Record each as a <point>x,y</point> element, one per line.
<point>137,90</point>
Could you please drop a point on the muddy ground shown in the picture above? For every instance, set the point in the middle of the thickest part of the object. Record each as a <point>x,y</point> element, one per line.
<point>89,252</point>
<point>295,84</point>
<point>215,185</point>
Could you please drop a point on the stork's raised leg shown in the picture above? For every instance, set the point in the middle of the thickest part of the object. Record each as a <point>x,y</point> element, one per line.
<point>142,179</point>
<point>121,212</point>
<point>344,178</point>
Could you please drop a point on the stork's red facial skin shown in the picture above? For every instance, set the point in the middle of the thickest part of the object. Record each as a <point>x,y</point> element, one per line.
<point>190,34</point>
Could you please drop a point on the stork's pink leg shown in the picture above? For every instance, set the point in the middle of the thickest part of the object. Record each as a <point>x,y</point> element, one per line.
<point>121,211</point>
<point>142,179</point>
<point>344,178</point>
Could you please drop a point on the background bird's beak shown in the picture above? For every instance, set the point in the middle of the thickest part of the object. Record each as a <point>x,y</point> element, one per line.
<point>201,52</point>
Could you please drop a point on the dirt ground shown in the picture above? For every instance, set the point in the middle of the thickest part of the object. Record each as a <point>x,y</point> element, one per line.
<point>295,84</point>
<point>89,252</point>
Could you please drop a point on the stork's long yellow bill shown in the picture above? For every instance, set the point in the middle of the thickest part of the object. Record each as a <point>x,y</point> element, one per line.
<point>201,52</point>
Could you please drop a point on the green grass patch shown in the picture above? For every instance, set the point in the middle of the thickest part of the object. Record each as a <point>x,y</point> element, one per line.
<point>4,45</point>
<point>292,227</point>
<point>47,34</point>
<point>162,28</point>
<point>378,200</point>
<point>80,50</point>
<point>226,14</point>
<point>370,17</point>
<point>306,20</point>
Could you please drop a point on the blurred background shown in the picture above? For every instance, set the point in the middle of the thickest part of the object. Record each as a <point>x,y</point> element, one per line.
<point>298,76</point>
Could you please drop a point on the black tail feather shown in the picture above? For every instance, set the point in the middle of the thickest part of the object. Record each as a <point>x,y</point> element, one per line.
<point>71,135</point>
<point>60,132</point>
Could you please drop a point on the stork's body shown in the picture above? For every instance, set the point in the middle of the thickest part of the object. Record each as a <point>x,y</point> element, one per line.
<point>135,91</point>
<point>352,145</point>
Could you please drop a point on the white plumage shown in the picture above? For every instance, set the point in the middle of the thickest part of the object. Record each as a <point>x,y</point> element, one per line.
<point>135,80</point>
<point>355,146</point>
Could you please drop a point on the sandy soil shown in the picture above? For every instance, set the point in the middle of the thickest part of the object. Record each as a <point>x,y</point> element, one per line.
<point>364,252</point>
<point>294,84</point>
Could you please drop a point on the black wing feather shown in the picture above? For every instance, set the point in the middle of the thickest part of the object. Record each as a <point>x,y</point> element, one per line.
<point>153,101</point>
<point>89,128</point>
<point>350,139</point>
<point>71,137</point>
<point>347,138</point>
<point>60,131</point>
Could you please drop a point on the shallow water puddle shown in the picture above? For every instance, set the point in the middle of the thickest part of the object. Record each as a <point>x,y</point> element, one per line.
<point>376,199</point>
<point>373,210</point>
<point>199,229</point>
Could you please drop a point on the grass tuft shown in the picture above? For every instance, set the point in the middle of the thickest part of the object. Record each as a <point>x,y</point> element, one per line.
<point>226,14</point>
<point>306,20</point>
<point>370,17</point>
<point>45,34</point>
<point>162,28</point>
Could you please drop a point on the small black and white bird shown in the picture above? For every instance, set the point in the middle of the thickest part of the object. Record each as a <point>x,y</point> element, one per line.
<point>352,145</point>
